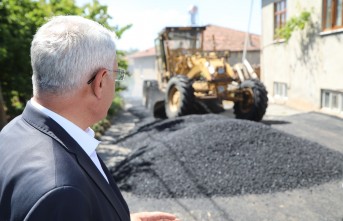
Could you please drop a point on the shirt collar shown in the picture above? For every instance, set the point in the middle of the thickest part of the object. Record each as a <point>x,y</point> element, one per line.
<point>85,138</point>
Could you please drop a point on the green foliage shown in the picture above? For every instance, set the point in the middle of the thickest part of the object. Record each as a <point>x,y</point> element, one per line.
<point>120,31</point>
<point>116,106</point>
<point>15,102</point>
<point>293,24</point>
<point>18,24</point>
<point>100,127</point>
<point>97,12</point>
<point>19,21</point>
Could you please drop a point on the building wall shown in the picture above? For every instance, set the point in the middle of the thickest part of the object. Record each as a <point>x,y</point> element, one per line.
<point>252,56</point>
<point>141,68</point>
<point>308,62</point>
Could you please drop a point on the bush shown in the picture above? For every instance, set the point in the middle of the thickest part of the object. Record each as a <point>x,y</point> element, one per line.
<point>101,127</point>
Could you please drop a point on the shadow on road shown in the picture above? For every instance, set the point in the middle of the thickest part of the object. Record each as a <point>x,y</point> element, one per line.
<point>274,122</point>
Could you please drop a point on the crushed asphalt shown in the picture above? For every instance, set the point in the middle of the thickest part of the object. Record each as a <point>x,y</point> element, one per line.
<point>250,172</point>
<point>211,155</point>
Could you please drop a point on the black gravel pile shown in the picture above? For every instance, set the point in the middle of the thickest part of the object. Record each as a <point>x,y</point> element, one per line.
<point>208,155</point>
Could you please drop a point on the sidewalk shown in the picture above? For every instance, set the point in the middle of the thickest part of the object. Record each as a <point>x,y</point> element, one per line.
<point>122,124</point>
<point>279,110</point>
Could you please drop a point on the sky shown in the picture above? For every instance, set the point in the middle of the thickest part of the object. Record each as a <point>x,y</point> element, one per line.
<point>149,17</point>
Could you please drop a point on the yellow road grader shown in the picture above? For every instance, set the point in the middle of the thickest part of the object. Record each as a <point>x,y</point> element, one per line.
<point>193,81</point>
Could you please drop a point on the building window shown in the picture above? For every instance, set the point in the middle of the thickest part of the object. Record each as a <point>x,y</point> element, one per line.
<point>332,100</point>
<point>280,89</point>
<point>279,14</point>
<point>332,14</point>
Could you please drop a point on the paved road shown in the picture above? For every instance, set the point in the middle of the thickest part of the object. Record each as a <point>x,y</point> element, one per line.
<point>324,129</point>
<point>321,128</point>
<point>324,202</point>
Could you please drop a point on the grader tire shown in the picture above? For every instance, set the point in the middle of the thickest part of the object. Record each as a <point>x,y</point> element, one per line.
<point>159,110</point>
<point>254,105</point>
<point>215,106</point>
<point>208,106</point>
<point>179,97</point>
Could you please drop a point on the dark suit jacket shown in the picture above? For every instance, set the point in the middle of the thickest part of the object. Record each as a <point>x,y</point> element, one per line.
<point>45,175</point>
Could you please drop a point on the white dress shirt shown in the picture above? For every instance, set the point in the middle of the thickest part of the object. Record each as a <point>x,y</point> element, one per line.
<point>84,138</point>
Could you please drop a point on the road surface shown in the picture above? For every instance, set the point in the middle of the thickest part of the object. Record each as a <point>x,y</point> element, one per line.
<point>323,202</point>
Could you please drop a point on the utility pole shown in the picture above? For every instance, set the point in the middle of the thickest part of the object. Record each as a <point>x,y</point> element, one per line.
<point>247,33</point>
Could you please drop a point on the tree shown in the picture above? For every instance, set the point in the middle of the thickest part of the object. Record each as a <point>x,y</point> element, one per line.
<point>18,24</point>
<point>3,119</point>
<point>19,21</point>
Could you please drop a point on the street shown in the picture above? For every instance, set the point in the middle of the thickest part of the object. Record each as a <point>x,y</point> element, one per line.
<point>318,202</point>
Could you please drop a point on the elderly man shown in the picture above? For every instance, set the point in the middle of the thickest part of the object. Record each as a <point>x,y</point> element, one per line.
<point>49,169</point>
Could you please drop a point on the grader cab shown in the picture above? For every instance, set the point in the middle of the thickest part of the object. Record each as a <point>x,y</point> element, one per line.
<point>194,81</point>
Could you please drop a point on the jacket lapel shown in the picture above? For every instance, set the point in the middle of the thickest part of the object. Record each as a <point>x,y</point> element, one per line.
<point>114,185</point>
<point>90,168</point>
<point>49,127</point>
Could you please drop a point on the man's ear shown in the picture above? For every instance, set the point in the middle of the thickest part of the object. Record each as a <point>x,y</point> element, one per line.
<point>97,84</point>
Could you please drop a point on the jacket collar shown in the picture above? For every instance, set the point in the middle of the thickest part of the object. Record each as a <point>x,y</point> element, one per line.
<point>49,127</point>
<point>85,138</point>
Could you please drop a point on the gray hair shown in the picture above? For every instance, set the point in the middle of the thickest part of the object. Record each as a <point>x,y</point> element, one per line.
<point>66,51</point>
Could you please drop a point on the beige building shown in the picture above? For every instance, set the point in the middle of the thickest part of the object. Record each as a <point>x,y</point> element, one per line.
<point>306,71</point>
<point>143,66</point>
